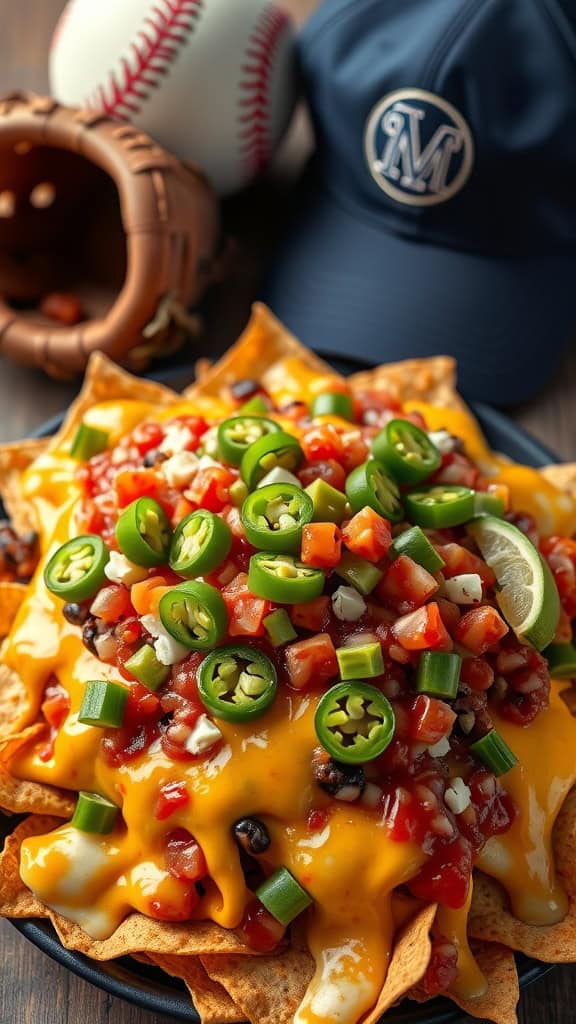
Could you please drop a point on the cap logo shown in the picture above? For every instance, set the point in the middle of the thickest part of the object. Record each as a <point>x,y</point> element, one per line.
<point>419,148</point>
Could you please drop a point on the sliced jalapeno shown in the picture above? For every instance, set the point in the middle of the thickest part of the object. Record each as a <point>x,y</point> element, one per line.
<point>273,517</point>
<point>354,722</point>
<point>283,579</point>
<point>368,484</point>
<point>76,571</point>
<point>194,613</point>
<point>237,683</point>
<point>143,533</point>
<point>88,441</point>
<point>201,542</point>
<point>406,452</point>
<point>237,434</point>
<point>277,450</point>
<point>440,505</point>
<point>332,403</point>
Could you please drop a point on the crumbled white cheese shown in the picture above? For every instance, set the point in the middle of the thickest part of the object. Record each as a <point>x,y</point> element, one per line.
<point>440,748</point>
<point>206,462</point>
<point>347,604</point>
<point>169,651</point>
<point>279,476</point>
<point>463,589</point>
<point>444,441</point>
<point>179,469</point>
<point>153,625</point>
<point>203,736</point>
<point>121,570</point>
<point>458,796</point>
<point>176,439</point>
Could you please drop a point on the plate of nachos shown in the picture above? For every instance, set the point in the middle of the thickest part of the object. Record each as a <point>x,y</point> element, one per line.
<point>286,705</point>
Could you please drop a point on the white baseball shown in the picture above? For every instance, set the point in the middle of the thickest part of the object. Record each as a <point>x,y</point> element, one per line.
<point>213,81</point>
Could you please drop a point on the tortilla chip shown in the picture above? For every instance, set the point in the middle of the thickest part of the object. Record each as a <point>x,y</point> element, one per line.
<point>563,477</point>
<point>15,899</point>
<point>427,380</point>
<point>490,916</point>
<point>13,699</point>
<point>211,1000</point>
<point>11,597</point>
<point>18,796</point>
<point>14,459</point>
<point>499,1004</point>
<point>410,958</point>
<point>268,989</point>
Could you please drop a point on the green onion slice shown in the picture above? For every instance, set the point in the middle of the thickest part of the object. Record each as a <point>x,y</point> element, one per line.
<point>103,704</point>
<point>283,896</point>
<point>494,752</point>
<point>438,674</point>
<point>94,814</point>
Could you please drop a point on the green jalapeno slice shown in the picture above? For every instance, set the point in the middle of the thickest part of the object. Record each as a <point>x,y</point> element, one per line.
<point>406,452</point>
<point>283,579</point>
<point>88,441</point>
<point>200,543</point>
<point>195,614</point>
<point>237,683</point>
<point>76,571</point>
<point>368,484</point>
<point>277,450</point>
<point>332,403</point>
<point>440,505</point>
<point>354,722</point>
<point>274,515</point>
<point>236,434</point>
<point>143,533</point>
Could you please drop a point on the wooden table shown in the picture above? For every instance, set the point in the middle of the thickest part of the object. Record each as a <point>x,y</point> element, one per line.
<point>33,990</point>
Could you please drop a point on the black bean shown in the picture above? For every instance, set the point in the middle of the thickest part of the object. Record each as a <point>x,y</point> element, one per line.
<point>252,835</point>
<point>75,614</point>
<point>333,776</point>
<point>154,457</point>
<point>89,634</point>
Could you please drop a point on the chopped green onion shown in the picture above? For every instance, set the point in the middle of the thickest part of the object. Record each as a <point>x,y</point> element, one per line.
<point>494,752</point>
<point>415,544</point>
<point>283,896</point>
<point>332,403</point>
<point>561,660</point>
<point>279,628</point>
<point>88,441</point>
<point>103,704</point>
<point>146,668</point>
<point>438,674</point>
<point>255,406</point>
<point>329,503</point>
<point>361,662</point>
<point>358,572</point>
<point>486,504</point>
<point>94,814</point>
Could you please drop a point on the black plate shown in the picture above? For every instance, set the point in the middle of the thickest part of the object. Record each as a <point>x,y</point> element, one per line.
<point>150,988</point>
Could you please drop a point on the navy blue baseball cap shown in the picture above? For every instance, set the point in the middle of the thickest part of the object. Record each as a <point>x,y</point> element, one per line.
<point>439,212</point>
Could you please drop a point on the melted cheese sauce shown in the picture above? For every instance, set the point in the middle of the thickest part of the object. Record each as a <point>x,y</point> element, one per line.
<point>350,868</point>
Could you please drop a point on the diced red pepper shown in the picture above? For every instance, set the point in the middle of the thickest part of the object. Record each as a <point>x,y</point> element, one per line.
<point>321,545</point>
<point>172,797</point>
<point>368,535</point>
<point>429,719</point>
<point>322,442</point>
<point>311,662</point>
<point>480,629</point>
<point>131,484</point>
<point>422,630</point>
<point>312,615</point>
<point>246,612</point>
<point>406,585</point>
<point>210,488</point>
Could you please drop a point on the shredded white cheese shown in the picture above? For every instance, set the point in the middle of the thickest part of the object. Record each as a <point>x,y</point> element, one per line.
<point>458,796</point>
<point>121,570</point>
<point>203,736</point>
<point>440,748</point>
<point>179,469</point>
<point>177,439</point>
<point>443,440</point>
<point>347,604</point>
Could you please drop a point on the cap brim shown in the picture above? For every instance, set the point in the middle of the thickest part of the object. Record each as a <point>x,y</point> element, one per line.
<point>343,286</point>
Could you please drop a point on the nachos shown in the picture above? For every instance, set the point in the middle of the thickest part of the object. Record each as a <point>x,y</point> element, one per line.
<point>287,700</point>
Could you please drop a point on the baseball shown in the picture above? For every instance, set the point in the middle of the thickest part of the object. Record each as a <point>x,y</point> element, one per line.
<point>213,81</point>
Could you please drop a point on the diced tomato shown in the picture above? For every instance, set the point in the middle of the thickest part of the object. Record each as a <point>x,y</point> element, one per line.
<point>195,425</point>
<point>459,560</point>
<point>422,630</point>
<point>317,820</point>
<point>442,968</point>
<point>175,910</point>
<point>129,631</point>
<point>322,442</point>
<point>356,449</point>
<point>112,603</point>
<point>231,516</point>
<point>528,689</point>
<point>131,484</point>
<point>445,878</point>
<point>456,469</point>
<point>210,488</point>
<point>147,436</point>
<point>259,929</point>
<point>560,553</point>
<point>328,470</point>
<point>182,508</point>
<point>56,705</point>
<point>449,612</point>
<point>477,673</point>
<point>429,719</point>
<point>312,615</point>
<point>480,629</point>
<point>184,858</point>
<point>171,798</point>
<point>246,612</point>
<point>406,585</point>
<point>321,545</point>
<point>368,535</point>
<point>311,662</point>
<point>223,575</point>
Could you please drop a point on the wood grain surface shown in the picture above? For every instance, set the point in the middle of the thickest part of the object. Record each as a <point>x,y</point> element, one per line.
<point>33,990</point>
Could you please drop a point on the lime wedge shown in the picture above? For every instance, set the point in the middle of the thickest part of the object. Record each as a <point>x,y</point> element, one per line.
<point>527,593</point>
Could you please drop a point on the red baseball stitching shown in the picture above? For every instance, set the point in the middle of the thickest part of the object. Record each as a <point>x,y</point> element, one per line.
<point>168,27</point>
<point>255,139</point>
